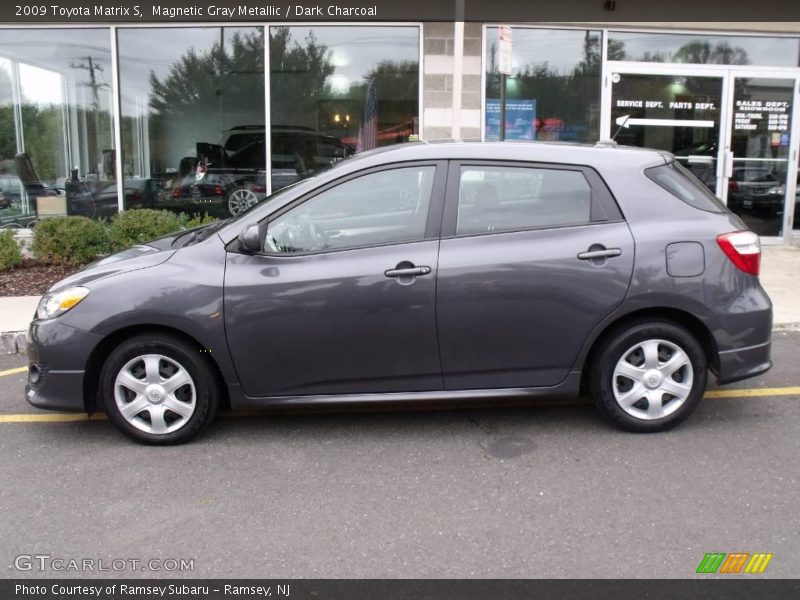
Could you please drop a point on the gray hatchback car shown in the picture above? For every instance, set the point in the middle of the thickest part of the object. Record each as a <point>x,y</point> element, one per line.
<point>425,273</point>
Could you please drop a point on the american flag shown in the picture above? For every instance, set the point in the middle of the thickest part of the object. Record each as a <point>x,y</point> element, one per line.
<point>368,131</point>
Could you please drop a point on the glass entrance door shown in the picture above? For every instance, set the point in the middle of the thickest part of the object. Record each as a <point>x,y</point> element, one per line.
<point>680,113</point>
<point>760,172</point>
<point>731,126</point>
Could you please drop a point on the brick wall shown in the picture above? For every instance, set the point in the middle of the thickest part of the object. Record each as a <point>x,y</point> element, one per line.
<point>438,66</point>
<point>437,73</point>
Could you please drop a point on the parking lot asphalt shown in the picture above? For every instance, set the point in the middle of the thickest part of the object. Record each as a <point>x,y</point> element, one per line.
<point>539,491</point>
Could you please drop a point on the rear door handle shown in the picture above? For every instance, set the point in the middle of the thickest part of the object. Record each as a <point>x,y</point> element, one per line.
<point>407,272</point>
<point>607,253</point>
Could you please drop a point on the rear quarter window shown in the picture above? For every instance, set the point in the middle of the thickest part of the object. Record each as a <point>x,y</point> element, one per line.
<point>680,182</point>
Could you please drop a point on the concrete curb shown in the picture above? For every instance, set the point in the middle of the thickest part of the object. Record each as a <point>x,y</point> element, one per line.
<point>14,342</point>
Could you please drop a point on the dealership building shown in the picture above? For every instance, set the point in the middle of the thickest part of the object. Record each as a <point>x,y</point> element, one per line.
<point>213,116</point>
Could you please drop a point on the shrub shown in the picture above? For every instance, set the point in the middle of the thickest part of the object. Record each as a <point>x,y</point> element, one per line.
<point>10,254</point>
<point>195,220</point>
<point>142,225</point>
<point>70,241</point>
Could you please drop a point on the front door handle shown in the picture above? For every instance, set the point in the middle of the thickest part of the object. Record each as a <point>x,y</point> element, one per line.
<point>605,253</point>
<point>407,271</point>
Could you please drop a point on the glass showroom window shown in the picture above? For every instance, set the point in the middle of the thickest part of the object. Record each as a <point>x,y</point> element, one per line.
<point>335,91</point>
<point>192,104</point>
<point>56,124</point>
<point>553,92</point>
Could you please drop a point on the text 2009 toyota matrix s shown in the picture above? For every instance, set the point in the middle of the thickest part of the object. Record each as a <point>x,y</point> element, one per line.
<point>425,273</point>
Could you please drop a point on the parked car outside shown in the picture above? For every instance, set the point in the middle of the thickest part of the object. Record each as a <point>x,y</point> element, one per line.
<point>420,274</point>
<point>772,201</point>
<point>749,188</point>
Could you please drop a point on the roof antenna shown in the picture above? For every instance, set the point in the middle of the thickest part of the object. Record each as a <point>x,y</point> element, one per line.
<point>623,124</point>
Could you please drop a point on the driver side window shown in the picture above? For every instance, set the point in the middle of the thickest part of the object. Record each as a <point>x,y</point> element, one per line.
<point>379,208</point>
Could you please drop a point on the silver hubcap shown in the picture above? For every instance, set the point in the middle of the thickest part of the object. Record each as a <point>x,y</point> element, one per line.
<point>240,200</point>
<point>652,379</point>
<point>155,394</point>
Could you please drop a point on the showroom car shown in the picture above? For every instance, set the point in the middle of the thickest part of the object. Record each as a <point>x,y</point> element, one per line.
<point>421,274</point>
<point>230,177</point>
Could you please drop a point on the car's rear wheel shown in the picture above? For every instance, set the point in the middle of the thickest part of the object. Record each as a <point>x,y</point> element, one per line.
<point>648,376</point>
<point>240,199</point>
<point>159,389</point>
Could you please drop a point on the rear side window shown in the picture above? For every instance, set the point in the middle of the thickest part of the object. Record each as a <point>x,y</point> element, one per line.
<point>680,182</point>
<point>494,199</point>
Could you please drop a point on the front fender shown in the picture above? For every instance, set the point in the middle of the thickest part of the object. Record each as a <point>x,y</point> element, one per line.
<point>184,293</point>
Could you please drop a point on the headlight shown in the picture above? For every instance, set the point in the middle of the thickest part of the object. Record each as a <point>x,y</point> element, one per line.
<point>58,303</point>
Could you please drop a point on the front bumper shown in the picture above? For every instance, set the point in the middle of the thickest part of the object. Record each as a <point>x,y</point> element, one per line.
<point>57,357</point>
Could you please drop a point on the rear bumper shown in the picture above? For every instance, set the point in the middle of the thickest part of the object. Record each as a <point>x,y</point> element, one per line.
<point>57,357</point>
<point>743,331</point>
<point>743,363</point>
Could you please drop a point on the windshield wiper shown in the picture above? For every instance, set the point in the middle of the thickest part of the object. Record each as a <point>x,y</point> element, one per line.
<point>197,235</point>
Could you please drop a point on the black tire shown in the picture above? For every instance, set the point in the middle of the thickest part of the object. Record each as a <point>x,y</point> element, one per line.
<point>203,393</point>
<point>617,345</point>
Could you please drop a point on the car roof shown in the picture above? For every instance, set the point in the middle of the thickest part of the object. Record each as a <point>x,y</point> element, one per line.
<point>604,154</point>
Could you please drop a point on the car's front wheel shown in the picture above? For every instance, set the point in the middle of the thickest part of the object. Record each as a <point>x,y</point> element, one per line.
<point>159,389</point>
<point>648,376</point>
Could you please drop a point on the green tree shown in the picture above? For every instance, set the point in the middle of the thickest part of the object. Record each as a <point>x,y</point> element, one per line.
<point>298,78</point>
<point>396,79</point>
<point>43,127</point>
<point>707,54</point>
<point>616,50</point>
<point>205,93</point>
<point>201,83</point>
<point>398,92</point>
<point>8,143</point>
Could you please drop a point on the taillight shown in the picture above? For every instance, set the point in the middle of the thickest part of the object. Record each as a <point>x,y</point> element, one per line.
<point>218,191</point>
<point>743,249</point>
<point>733,187</point>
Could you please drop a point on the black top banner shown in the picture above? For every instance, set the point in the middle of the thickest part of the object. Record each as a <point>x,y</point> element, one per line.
<point>506,11</point>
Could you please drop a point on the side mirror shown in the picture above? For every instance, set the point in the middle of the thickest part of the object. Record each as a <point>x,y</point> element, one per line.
<point>250,239</point>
